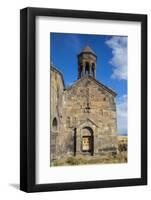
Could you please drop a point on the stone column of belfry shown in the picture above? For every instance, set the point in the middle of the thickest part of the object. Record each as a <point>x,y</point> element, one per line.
<point>92,69</point>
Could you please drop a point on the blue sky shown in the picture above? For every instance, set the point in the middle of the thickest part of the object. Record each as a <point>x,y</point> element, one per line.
<point>111,68</point>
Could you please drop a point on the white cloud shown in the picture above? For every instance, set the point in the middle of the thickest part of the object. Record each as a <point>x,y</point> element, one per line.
<point>119,56</point>
<point>122,114</point>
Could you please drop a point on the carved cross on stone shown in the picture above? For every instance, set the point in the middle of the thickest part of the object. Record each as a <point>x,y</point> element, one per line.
<point>87,108</point>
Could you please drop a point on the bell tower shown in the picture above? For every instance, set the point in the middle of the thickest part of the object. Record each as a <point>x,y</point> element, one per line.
<point>87,63</point>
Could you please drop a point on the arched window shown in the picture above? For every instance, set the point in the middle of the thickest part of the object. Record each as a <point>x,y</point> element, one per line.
<point>54,124</point>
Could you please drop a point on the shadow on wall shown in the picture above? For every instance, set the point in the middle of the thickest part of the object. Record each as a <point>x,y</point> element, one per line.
<point>15,185</point>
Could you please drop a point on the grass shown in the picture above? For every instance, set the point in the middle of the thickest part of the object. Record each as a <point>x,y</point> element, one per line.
<point>81,160</point>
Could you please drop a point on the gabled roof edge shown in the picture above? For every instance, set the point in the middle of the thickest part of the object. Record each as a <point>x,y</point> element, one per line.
<point>53,68</point>
<point>97,82</point>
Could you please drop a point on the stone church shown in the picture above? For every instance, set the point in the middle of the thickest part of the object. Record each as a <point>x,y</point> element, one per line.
<point>83,117</point>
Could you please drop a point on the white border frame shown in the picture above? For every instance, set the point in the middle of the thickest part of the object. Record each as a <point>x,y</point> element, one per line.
<point>47,174</point>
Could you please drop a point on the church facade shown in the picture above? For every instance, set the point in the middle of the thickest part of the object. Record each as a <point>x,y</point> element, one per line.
<point>83,119</point>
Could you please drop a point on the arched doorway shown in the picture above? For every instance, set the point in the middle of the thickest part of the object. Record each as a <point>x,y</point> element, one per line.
<point>54,124</point>
<point>87,140</point>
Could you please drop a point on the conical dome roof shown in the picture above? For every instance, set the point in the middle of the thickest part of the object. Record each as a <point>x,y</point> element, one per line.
<point>87,49</point>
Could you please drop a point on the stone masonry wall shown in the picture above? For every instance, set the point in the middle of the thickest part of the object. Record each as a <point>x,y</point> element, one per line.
<point>100,116</point>
<point>85,104</point>
<point>56,91</point>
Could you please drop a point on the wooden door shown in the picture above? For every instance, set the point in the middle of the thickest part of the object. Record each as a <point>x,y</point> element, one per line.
<point>86,143</point>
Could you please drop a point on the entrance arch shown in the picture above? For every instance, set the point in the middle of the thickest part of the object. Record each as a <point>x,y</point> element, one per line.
<point>87,140</point>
